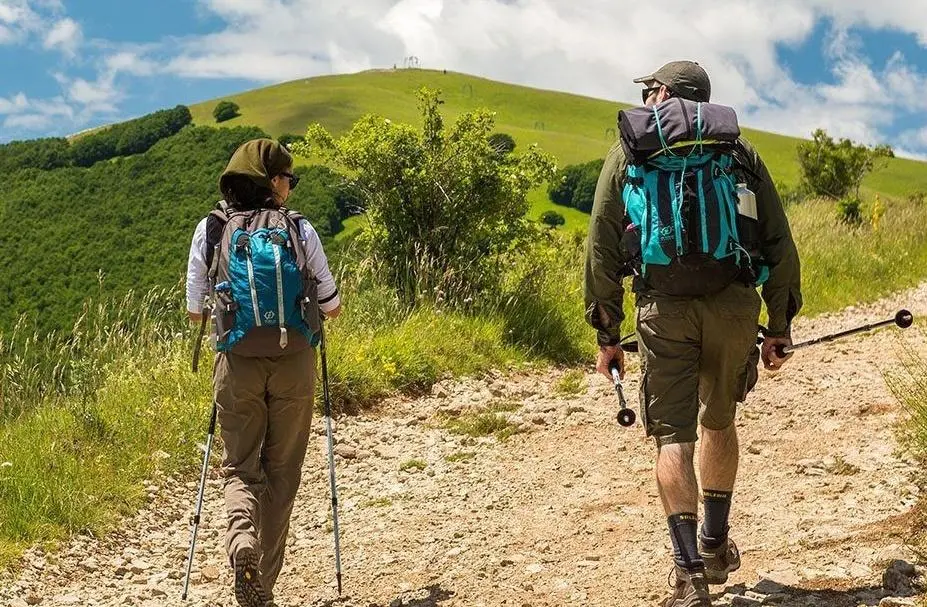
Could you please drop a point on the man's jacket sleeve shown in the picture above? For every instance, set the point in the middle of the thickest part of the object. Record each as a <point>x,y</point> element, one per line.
<point>605,261</point>
<point>782,291</point>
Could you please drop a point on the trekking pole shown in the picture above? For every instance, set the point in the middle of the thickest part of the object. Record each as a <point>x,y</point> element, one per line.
<point>626,416</point>
<point>195,521</point>
<point>331,455</point>
<point>902,319</point>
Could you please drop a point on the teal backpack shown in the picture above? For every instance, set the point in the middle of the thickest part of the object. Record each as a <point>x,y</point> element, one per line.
<point>691,227</point>
<point>260,278</point>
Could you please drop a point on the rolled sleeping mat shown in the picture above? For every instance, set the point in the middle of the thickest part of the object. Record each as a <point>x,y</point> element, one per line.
<point>679,121</point>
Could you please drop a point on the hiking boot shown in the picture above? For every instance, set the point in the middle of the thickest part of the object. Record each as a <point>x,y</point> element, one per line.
<point>249,588</point>
<point>720,561</point>
<point>690,590</point>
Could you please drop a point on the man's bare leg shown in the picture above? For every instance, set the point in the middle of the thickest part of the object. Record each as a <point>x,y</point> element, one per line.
<point>676,478</point>
<point>718,458</point>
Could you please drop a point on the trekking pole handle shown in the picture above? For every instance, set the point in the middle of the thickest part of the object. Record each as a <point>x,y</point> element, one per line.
<point>903,319</point>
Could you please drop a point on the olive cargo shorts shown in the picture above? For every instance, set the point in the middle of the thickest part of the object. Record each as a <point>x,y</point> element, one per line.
<point>696,351</point>
<point>264,409</point>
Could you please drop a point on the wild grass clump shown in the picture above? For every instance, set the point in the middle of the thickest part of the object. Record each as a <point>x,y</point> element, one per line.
<point>910,389</point>
<point>572,383</point>
<point>845,264</point>
<point>484,423</point>
<point>88,417</point>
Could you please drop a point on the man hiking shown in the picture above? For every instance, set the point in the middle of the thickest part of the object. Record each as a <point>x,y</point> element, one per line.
<point>689,209</point>
<point>264,268</point>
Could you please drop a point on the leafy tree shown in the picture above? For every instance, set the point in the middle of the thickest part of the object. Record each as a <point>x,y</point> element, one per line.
<point>584,194</point>
<point>50,153</point>
<point>836,168</point>
<point>503,143</point>
<point>131,137</point>
<point>225,110</point>
<point>560,189</point>
<point>443,206</point>
<point>288,139</point>
<point>552,218</point>
<point>574,185</point>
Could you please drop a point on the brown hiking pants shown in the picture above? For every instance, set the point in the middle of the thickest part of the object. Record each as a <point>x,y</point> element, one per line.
<point>265,410</point>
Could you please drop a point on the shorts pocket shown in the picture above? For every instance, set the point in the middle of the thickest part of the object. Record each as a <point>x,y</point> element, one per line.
<point>748,376</point>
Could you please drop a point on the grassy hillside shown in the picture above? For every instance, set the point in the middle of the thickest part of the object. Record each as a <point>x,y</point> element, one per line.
<point>572,127</point>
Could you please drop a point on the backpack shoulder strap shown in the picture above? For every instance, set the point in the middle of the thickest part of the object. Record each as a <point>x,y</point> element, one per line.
<point>299,251</point>
<point>215,225</point>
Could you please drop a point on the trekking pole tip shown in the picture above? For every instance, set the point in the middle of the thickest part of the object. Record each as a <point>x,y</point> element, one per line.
<point>339,584</point>
<point>626,418</point>
<point>904,319</point>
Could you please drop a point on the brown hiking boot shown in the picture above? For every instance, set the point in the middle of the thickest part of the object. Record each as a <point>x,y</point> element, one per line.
<point>690,590</point>
<point>720,561</point>
<point>249,587</point>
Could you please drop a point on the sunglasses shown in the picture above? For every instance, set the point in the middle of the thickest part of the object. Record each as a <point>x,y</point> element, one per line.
<point>293,179</point>
<point>646,93</point>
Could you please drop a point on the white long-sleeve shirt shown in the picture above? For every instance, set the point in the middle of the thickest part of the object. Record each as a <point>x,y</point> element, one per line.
<point>315,257</point>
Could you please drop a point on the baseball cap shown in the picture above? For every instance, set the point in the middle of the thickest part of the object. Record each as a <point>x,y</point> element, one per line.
<point>687,79</point>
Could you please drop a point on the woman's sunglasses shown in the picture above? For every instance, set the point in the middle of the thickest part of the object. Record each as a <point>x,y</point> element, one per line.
<point>293,179</point>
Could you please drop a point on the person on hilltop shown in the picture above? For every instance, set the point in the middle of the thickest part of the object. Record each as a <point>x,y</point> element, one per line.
<point>687,207</point>
<point>263,268</point>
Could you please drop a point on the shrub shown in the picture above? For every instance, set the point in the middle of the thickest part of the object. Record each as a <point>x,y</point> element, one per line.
<point>502,143</point>
<point>225,110</point>
<point>836,168</point>
<point>288,139</point>
<point>574,185</point>
<point>552,218</point>
<point>850,211</point>
<point>443,206</point>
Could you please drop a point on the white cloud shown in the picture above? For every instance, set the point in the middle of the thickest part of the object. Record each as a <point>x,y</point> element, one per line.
<point>130,62</point>
<point>21,19</point>
<point>64,35</point>
<point>22,113</point>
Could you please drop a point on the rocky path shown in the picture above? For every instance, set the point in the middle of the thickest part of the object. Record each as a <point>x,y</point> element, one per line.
<point>563,512</point>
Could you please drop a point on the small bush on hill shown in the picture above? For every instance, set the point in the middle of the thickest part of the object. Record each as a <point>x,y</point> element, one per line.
<point>225,110</point>
<point>552,218</point>
<point>502,143</point>
<point>850,210</point>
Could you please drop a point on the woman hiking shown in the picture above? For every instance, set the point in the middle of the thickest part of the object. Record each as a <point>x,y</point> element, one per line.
<point>264,269</point>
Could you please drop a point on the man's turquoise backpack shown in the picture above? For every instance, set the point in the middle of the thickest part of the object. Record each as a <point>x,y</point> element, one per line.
<point>692,228</point>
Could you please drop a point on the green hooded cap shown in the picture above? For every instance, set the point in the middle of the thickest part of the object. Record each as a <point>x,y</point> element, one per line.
<point>260,160</point>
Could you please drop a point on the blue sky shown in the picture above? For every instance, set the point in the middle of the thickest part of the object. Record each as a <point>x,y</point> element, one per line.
<point>858,69</point>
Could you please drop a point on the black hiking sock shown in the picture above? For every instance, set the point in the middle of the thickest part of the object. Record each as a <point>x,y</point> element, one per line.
<point>717,510</point>
<point>683,529</point>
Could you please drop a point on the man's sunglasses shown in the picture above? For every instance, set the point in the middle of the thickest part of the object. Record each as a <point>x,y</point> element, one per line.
<point>646,93</point>
<point>294,179</point>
